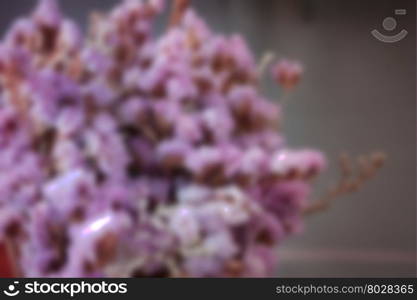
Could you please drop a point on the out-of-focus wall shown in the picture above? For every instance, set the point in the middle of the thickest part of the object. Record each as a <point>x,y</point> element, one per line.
<point>357,95</point>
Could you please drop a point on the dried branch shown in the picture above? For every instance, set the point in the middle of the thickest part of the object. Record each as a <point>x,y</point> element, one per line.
<point>12,250</point>
<point>350,181</point>
<point>265,61</point>
<point>178,9</point>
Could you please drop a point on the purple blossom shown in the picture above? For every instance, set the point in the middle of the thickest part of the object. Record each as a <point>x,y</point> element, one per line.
<point>126,154</point>
<point>287,73</point>
<point>48,13</point>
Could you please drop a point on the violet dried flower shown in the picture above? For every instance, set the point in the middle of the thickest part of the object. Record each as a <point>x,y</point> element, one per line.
<point>125,154</point>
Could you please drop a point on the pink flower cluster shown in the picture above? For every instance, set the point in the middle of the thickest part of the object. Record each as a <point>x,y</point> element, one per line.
<point>287,73</point>
<point>122,154</point>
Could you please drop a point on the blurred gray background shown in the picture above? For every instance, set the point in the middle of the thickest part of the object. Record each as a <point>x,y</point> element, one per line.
<point>357,95</point>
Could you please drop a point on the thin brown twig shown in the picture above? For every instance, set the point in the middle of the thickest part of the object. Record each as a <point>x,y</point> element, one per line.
<point>265,61</point>
<point>350,181</point>
<point>178,9</point>
<point>13,256</point>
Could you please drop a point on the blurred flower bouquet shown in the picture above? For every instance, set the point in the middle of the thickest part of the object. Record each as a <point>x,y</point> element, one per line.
<point>122,154</point>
